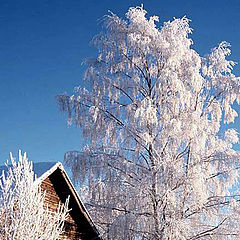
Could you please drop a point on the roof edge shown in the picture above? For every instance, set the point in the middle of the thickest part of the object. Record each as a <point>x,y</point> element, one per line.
<point>49,172</point>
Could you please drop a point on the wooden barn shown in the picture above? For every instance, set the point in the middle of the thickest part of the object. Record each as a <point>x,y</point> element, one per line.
<point>55,181</point>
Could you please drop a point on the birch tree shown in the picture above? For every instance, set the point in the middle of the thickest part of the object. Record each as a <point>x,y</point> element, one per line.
<point>156,164</point>
<point>23,214</point>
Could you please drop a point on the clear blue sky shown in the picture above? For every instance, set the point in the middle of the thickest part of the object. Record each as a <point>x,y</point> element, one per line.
<point>42,46</point>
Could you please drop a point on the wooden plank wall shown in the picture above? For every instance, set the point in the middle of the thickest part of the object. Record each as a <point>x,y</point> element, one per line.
<point>52,200</point>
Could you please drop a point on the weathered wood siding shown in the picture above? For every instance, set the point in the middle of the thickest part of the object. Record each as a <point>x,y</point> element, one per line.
<point>52,199</point>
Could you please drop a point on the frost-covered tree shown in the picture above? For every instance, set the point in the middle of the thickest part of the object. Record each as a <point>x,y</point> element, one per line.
<point>23,214</point>
<point>156,164</point>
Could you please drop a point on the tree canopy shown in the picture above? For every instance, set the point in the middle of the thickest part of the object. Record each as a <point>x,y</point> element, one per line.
<point>156,164</point>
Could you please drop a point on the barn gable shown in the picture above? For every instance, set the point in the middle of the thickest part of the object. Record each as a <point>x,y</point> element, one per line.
<point>55,181</point>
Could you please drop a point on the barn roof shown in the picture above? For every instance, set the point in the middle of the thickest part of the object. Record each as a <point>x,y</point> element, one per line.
<point>41,168</point>
<point>64,187</point>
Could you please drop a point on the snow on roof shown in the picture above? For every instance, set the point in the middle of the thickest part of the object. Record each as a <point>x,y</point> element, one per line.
<point>41,168</point>
<point>44,169</point>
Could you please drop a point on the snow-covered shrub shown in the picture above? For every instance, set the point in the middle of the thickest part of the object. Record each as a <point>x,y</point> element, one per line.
<point>23,213</point>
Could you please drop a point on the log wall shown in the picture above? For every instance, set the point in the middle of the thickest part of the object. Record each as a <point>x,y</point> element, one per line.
<point>52,199</point>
